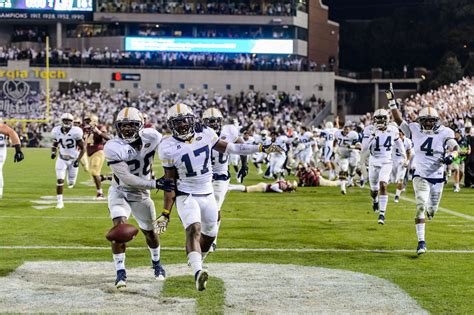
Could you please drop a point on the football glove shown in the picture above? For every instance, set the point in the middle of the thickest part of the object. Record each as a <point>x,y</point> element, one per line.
<point>271,148</point>
<point>53,155</point>
<point>390,94</point>
<point>75,164</point>
<point>18,154</point>
<point>161,224</point>
<point>165,184</point>
<point>448,159</point>
<point>244,170</point>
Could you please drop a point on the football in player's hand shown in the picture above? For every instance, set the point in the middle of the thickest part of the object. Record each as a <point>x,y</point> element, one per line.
<point>122,233</point>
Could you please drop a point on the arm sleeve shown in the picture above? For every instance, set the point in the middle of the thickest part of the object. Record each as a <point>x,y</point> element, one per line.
<point>275,187</point>
<point>405,127</point>
<point>122,172</point>
<point>241,148</point>
<point>165,157</point>
<point>401,148</point>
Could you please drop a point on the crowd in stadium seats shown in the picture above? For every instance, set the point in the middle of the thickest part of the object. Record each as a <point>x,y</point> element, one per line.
<point>280,8</point>
<point>453,102</point>
<point>108,57</point>
<point>26,34</point>
<point>263,110</point>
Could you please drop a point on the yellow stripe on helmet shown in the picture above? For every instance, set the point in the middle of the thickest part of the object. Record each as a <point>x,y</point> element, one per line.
<point>125,114</point>
<point>178,108</point>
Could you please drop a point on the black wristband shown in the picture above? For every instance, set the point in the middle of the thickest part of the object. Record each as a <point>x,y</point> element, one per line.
<point>17,148</point>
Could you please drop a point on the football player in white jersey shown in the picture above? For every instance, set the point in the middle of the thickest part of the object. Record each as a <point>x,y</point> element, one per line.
<point>328,136</point>
<point>278,159</point>
<point>400,165</point>
<point>186,159</point>
<point>306,153</point>
<point>130,156</point>
<point>435,147</point>
<point>5,133</point>
<point>212,118</point>
<point>259,158</point>
<point>380,139</point>
<point>348,148</point>
<point>71,149</point>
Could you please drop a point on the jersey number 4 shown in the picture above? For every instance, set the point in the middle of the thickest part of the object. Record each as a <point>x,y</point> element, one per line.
<point>387,144</point>
<point>187,161</point>
<point>427,147</point>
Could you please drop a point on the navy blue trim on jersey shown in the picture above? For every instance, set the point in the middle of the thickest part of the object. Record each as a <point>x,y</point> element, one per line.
<point>432,180</point>
<point>221,177</point>
<point>181,193</point>
<point>113,162</point>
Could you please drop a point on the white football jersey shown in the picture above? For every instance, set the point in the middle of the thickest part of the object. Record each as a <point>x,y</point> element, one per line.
<point>429,149</point>
<point>281,142</point>
<point>383,144</point>
<point>139,161</point>
<point>328,136</point>
<point>307,139</point>
<point>67,141</point>
<point>220,161</point>
<point>3,140</point>
<point>397,155</point>
<point>343,141</point>
<point>192,160</point>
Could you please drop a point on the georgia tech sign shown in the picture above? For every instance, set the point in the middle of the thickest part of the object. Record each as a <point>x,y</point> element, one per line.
<point>32,74</point>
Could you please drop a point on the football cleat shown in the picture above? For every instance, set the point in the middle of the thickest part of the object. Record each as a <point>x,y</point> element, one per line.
<point>397,199</point>
<point>381,219</point>
<point>456,189</point>
<point>100,196</point>
<point>213,247</point>
<point>70,186</point>
<point>201,279</point>
<point>375,206</point>
<point>60,205</point>
<point>121,280</point>
<point>421,249</point>
<point>160,273</point>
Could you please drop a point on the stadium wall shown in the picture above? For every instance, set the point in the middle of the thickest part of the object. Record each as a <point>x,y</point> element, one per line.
<point>321,84</point>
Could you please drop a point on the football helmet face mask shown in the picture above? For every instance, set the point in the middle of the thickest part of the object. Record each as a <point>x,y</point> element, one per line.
<point>91,121</point>
<point>128,124</point>
<point>429,120</point>
<point>66,121</point>
<point>181,121</point>
<point>381,119</point>
<point>212,118</point>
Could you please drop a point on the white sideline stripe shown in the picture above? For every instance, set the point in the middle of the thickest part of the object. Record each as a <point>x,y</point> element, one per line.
<point>297,250</point>
<point>458,214</point>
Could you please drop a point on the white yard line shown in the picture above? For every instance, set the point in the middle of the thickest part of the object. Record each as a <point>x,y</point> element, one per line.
<point>296,250</point>
<point>226,219</point>
<point>452,212</point>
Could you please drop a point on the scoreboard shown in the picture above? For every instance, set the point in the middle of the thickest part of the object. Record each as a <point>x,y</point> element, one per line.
<point>46,5</point>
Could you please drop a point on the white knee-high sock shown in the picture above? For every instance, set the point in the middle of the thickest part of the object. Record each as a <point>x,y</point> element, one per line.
<point>119,260</point>
<point>195,260</point>
<point>420,231</point>
<point>383,200</point>
<point>155,253</point>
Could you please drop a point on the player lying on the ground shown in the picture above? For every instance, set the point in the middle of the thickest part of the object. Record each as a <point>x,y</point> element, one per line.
<point>279,186</point>
<point>312,177</point>
<point>186,159</point>
<point>130,156</point>
<point>435,147</point>
<point>5,132</point>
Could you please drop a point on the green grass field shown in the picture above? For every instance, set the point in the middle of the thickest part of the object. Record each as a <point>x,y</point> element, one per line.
<point>441,281</point>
